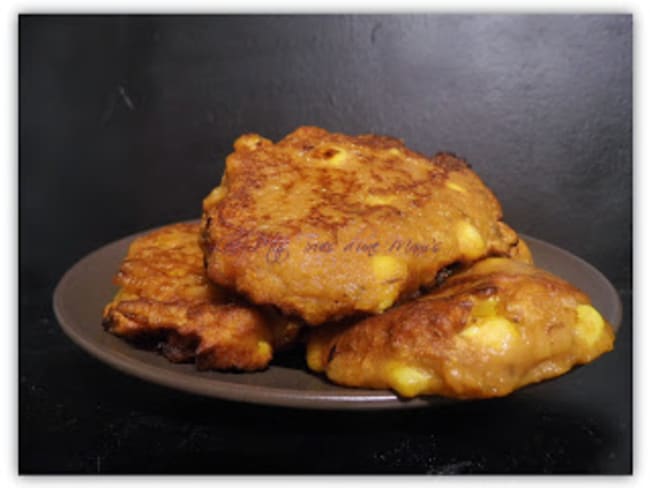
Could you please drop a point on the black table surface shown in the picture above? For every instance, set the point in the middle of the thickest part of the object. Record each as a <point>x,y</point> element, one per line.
<point>125,123</point>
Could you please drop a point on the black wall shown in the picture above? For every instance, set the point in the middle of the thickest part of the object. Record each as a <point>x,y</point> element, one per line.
<point>125,121</point>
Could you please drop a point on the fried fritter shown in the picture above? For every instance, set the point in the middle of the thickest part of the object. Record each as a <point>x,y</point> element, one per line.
<point>487,331</point>
<point>165,298</point>
<point>326,225</point>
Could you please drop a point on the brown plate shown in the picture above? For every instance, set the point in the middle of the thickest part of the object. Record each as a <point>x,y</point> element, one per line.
<point>86,287</point>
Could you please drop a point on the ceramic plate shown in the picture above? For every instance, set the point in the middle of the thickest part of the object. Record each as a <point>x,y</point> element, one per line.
<point>84,290</point>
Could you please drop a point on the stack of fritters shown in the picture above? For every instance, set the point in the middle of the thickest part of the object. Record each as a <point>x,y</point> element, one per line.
<point>398,267</point>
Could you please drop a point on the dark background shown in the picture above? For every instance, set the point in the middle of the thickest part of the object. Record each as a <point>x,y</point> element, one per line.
<point>125,123</point>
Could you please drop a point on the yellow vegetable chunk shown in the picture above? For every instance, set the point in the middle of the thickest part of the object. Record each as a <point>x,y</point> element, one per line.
<point>471,244</point>
<point>264,348</point>
<point>379,199</point>
<point>496,333</point>
<point>589,325</point>
<point>456,187</point>
<point>315,358</point>
<point>387,268</point>
<point>408,381</point>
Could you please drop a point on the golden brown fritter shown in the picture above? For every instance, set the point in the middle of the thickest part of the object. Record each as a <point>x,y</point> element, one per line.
<point>326,225</point>
<point>495,327</point>
<point>166,297</point>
